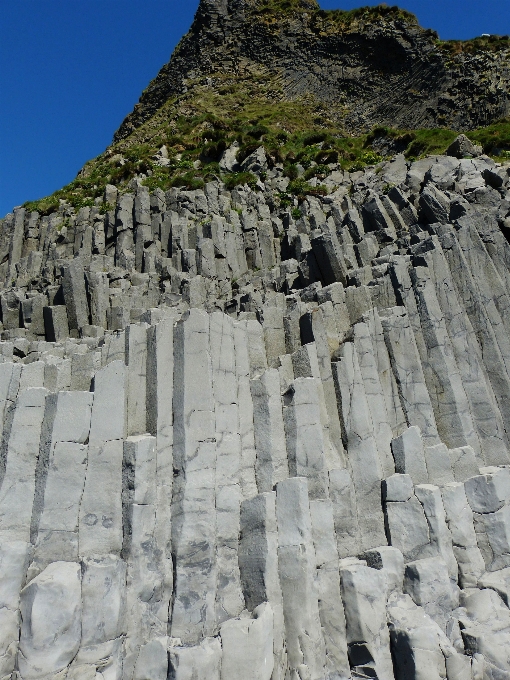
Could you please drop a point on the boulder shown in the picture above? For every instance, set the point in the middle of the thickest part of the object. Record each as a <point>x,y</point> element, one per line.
<point>463,147</point>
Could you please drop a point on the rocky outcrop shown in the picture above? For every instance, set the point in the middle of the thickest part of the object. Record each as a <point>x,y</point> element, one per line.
<point>417,84</point>
<point>248,439</point>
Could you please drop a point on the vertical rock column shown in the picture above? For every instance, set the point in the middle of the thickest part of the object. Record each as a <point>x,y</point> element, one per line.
<point>492,346</point>
<point>484,407</point>
<point>146,586</point>
<point>305,442</point>
<point>194,495</point>
<point>448,397</point>
<point>160,386</point>
<point>100,531</point>
<point>247,479</point>
<point>361,448</point>
<point>258,564</point>
<point>408,371</point>
<point>16,494</point>
<point>271,465</point>
<point>229,597</point>
<point>61,471</point>
<point>136,362</point>
<point>331,609</point>
<point>375,396</point>
<point>297,569</point>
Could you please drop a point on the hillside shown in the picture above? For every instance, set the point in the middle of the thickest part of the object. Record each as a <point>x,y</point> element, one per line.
<point>290,76</point>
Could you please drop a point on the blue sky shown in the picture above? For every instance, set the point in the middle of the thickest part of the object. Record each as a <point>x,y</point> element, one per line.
<point>70,70</point>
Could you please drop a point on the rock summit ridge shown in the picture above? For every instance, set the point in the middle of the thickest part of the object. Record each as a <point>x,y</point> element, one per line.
<point>336,56</point>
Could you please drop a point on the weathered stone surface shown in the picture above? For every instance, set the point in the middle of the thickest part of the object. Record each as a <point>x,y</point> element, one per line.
<point>50,610</point>
<point>214,465</point>
<point>247,646</point>
<point>297,567</point>
<point>202,662</point>
<point>364,594</point>
<point>409,455</point>
<point>271,465</point>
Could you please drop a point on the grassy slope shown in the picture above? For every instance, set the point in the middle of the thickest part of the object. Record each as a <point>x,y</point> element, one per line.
<point>250,108</point>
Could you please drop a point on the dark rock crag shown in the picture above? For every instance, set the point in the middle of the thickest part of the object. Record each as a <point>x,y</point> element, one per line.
<point>384,71</point>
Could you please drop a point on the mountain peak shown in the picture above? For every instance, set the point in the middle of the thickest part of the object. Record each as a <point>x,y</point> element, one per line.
<point>375,63</point>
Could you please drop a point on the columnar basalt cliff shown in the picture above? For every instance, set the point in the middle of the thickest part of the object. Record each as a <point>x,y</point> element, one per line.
<point>250,436</point>
<point>382,70</point>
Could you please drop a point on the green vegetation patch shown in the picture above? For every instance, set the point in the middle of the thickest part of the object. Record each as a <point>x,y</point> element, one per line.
<point>304,136</point>
<point>489,43</point>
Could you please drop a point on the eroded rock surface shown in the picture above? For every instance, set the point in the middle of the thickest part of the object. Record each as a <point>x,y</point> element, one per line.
<point>248,440</point>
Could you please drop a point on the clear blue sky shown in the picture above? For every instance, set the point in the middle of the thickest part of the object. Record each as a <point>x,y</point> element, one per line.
<point>70,70</point>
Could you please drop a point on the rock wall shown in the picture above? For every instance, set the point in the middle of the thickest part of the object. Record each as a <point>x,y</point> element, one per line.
<point>415,84</point>
<point>248,440</point>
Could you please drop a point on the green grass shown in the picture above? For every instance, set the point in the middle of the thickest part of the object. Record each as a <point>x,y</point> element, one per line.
<point>272,10</point>
<point>492,43</point>
<point>249,108</point>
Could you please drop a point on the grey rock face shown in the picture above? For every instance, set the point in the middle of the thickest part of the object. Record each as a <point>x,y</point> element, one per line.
<point>451,89</point>
<point>298,471</point>
<point>462,147</point>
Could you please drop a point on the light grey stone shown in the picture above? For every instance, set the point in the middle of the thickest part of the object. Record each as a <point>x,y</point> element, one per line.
<point>493,534</point>
<point>18,486</point>
<point>152,661</point>
<point>32,375</point>
<point>498,581</point>
<point>375,396</point>
<point>364,594</point>
<point>489,491</point>
<point>108,421</point>
<point>435,204</point>
<point>437,460</point>
<point>136,362</point>
<point>449,399</point>
<point>428,583</point>
<point>103,615</point>
<point>341,493</point>
<point>463,147</point>
<point>73,285</point>
<point>486,625</point>
<point>247,479</point>
<point>440,536</point>
<point>328,584</point>
<point>14,557</point>
<point>296,565</point>
<point>247,646</point>
<point>389,559</point>
<point>55,323</point>
<point>271,464</point>
<point>194,495</point>
<point>229,599</point>
<point>398,488</point>
<point>361,448</point>
<point>420,648</point>
<point>464,463</point>
<point>51,610</point>
<point>303,429</point>
<point>258,564</point>
<point>202,662</point>
<point>160,373</point>
<point>459,517</point>
<point>408,371</point>
<point>100,521</point>
<point>409,455</point>
<point>408,529</point>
